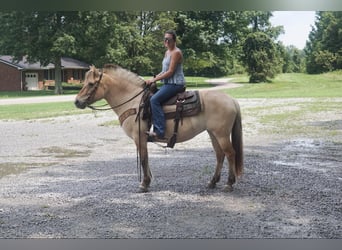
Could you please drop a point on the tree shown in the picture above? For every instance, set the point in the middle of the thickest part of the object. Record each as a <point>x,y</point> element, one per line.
<point>260,57</point>
<point>294,59</point>
<point>41,36</point>
<point>323,50</point>
<point>211,41</point>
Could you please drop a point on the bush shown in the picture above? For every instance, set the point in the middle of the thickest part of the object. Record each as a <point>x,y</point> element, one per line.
<point>260,57</point>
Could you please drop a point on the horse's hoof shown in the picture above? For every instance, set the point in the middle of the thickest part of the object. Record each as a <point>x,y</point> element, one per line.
<point>211,185</point>
<point>228,188</point>
<point>143,188</point>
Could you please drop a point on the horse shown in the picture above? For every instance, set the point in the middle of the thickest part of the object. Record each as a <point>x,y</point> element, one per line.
<point>220,116</point>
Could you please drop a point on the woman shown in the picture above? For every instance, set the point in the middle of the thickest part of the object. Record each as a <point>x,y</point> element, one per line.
<point>173,78</point>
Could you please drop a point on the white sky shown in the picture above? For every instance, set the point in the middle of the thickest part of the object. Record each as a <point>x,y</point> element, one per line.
<point>297,26</point>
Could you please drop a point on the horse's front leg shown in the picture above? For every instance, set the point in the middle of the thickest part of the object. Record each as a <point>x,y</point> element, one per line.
<point>147,175</point>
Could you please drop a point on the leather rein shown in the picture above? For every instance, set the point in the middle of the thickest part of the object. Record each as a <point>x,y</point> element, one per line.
<point>92,93</point>
<point>99,107</point>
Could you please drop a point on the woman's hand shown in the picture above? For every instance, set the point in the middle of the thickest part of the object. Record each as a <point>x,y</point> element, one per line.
<point>150,81</point>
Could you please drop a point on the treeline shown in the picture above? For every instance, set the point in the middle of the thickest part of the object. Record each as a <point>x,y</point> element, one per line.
<point>214,43</point>
<point>324,49</point>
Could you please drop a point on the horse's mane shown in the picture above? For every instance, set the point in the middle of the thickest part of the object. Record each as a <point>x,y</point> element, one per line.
<point>116,70</point>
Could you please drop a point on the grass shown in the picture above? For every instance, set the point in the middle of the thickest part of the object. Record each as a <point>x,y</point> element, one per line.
<point>192,82</point>
<point>197,82</point>
<point>283,86</point>
<point>313,118</point>
<point>69,89</point>
<point>291,86</point>
<point>38,110</point>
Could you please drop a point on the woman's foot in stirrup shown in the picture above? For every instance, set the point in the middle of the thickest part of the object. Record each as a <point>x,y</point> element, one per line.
<point>152,137</point>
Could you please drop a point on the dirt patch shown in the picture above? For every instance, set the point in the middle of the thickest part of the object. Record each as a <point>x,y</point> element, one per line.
<point>81,179</point>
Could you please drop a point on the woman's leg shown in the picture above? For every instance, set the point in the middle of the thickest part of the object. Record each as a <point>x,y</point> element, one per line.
<point>163,94</point>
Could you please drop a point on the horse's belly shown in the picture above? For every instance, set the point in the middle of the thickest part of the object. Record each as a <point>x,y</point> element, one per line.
<point>188,128</point>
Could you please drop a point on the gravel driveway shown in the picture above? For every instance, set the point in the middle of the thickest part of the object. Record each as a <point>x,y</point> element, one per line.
<point>76,177</point>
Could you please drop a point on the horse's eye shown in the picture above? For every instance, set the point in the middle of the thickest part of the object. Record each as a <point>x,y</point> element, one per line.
<point>91,84</point>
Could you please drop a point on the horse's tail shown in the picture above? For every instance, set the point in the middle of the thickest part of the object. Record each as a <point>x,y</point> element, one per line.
<point>237,141</point>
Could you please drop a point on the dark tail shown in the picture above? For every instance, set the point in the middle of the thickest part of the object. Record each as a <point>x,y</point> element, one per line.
<point>237,141</point>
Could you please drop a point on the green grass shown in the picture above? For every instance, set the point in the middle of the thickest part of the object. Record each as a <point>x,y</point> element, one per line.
<point>68,89</point>
<point>313,118</point>
<point>283,86</point>
<point>192,82</point>
<point>197,82</point>
<point>38,110</point>
<point>15,94</point>
<point>290,86</point>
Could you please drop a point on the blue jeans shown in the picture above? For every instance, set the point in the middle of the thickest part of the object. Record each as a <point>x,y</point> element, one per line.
<point>163,94</point>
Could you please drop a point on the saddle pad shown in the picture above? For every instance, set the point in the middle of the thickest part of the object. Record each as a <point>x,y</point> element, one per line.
<point>191,106</point>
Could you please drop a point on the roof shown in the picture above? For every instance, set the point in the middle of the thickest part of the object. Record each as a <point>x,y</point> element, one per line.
<point>67,63</point>
<point>70,63</point>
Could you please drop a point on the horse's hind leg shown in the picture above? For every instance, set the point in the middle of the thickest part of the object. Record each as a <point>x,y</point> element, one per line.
<point>226,147</point>
<point>219,158</point>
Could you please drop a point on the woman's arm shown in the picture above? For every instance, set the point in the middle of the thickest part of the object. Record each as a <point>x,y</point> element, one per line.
<point>176,58</point>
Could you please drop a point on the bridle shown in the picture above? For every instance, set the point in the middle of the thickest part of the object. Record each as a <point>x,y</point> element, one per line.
<point>100,107</point>
<point>92,93</point>
<point>93,90</point>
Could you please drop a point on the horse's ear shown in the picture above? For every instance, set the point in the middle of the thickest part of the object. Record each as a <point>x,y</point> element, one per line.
<point>96,72</point>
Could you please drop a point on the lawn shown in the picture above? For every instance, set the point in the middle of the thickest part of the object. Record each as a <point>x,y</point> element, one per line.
<point>291,85</point>
<point>283,86</point>
<point>38,110</point>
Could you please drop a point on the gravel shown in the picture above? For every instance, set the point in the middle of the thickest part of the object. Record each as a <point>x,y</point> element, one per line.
<point>74,177</point>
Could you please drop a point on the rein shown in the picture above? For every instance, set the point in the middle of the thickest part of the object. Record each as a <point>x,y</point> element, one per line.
<point>117,106</point>
<point>99,108</point>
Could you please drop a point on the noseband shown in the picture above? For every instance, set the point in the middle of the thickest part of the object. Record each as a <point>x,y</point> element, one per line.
<point>94,89</point>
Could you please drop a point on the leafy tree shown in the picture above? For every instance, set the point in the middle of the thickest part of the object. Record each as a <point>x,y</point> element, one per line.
<point>146,50</point>
<point>294,59</point>
<point>212,41</point>
<point>260,57</point>
<point>41,36</point>
<point>323,49</point>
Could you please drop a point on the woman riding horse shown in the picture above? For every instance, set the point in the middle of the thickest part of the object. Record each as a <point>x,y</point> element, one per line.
<point>173,78</point>
<point>220,116</point>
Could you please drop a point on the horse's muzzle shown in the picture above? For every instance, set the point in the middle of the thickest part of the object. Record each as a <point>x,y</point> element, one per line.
<point>80,104</point>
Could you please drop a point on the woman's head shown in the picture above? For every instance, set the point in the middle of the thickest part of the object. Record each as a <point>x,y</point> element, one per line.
<point>172,33</point>
<point>170,36</point>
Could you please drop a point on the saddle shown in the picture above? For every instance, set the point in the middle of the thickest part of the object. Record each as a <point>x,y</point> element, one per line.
<point>184,104</point>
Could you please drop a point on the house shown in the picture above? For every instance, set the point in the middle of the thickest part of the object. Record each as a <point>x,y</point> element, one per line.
<point>17,76</point>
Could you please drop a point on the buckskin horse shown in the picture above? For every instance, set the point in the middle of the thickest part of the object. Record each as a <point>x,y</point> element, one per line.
<point>219,114</point>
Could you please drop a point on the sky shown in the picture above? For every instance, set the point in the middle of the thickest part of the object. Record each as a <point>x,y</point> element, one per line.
<point>297,26</point>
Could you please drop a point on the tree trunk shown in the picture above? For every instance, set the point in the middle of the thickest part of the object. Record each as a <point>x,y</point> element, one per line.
<point>58,76</point>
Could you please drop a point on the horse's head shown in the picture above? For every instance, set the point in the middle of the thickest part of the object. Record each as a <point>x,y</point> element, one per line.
<point>92,90</point>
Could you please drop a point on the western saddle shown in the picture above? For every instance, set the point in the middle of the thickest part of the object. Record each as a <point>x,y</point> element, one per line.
<point>184,104</point>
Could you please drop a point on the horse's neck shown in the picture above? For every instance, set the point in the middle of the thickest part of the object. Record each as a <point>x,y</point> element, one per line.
<point>122,92</point>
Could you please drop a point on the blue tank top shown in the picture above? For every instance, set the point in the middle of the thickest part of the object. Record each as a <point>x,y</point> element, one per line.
<point>178,75</point>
